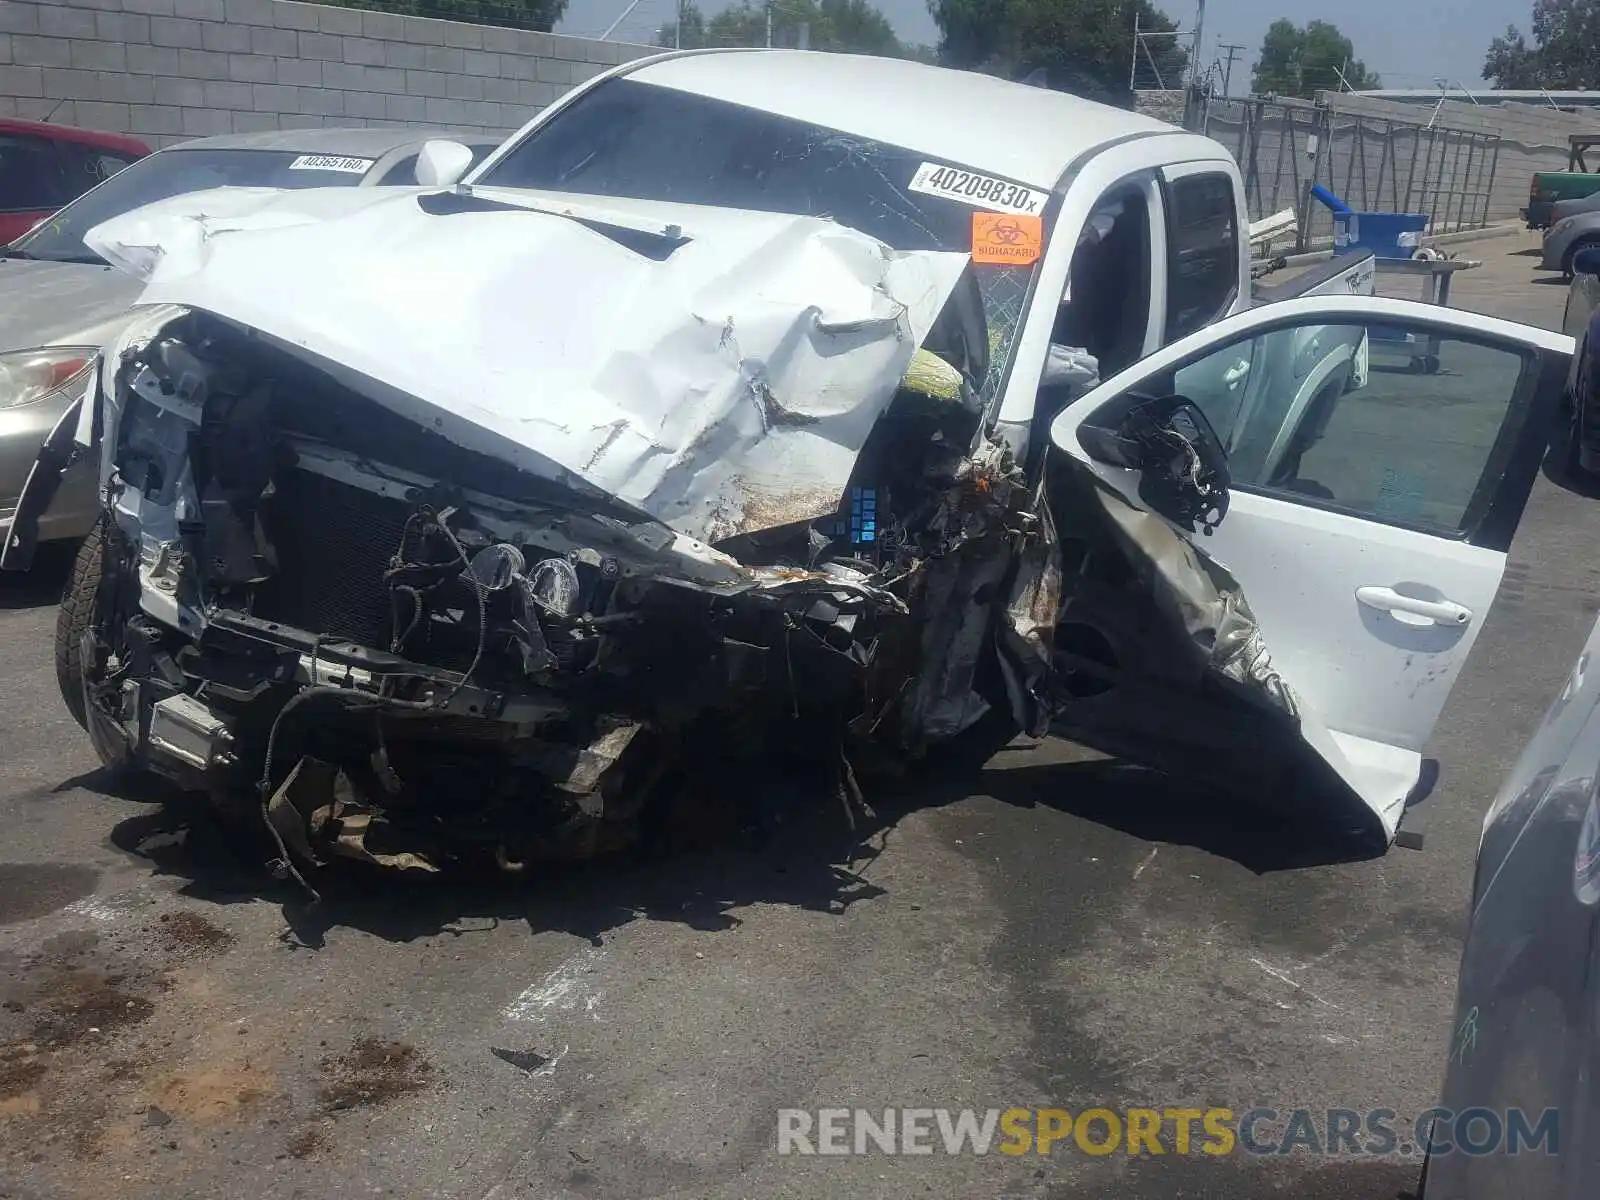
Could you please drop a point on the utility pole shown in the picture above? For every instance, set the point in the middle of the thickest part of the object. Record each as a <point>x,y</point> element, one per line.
<point>1233,49</point>
<point>1133,63</point>
<point>612,28</point>
<point>769,24</point>
<point>1199,32</point>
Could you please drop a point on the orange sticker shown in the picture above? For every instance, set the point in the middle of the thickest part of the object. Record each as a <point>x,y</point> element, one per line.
<point>1010,239</point>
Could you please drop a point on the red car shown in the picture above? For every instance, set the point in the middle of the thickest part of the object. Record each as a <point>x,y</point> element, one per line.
<point>43,167</point>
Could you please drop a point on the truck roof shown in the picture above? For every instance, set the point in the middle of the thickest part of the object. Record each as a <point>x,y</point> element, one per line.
<point>70,133</point>
<point>1023,133</point>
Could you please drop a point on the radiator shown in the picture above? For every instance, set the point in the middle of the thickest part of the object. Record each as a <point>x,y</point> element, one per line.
<point>334,542</point>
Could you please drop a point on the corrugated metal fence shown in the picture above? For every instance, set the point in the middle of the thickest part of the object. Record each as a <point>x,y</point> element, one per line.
<point>1373,164</point>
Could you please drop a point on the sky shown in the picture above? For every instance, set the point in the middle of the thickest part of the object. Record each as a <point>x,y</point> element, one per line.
<point>1432,38</point>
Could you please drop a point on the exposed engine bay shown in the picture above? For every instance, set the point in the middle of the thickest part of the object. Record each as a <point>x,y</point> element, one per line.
<point>408,652</point>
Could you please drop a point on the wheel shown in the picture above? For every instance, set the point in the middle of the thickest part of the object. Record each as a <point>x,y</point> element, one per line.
<point>74,616</point>
<point>1572,253</point>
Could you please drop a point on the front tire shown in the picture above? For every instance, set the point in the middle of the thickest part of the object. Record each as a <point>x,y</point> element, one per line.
<point>1572,253</point>
<point>74,617</point>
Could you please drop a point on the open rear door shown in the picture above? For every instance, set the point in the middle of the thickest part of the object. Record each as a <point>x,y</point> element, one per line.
<point>1369,460</point>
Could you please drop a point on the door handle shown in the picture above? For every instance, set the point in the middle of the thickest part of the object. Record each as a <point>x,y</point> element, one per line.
<point>1235,373</point>
<point>1413,611</point>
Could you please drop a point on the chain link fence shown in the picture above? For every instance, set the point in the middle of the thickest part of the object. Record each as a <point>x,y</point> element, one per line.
<point>1373,164</point>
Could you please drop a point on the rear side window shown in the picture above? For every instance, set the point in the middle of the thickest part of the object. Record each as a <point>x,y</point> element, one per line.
<point>1202,251</point>
<point>403,173</point>
<point>32,176</point>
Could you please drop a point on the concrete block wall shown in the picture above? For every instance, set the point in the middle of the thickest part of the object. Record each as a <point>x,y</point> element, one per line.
<point>167,70</point>
<point>1532,138</point>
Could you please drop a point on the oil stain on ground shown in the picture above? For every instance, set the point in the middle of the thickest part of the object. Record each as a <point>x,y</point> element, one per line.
<point>96,1036</point>
<point>372,1072</point>
<point>30,890</point>
<point>187,934</point>
<point>307,1142</point>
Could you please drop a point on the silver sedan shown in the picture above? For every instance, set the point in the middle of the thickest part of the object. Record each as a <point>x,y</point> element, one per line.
<point>1566,237</point>
<point>59,303</point>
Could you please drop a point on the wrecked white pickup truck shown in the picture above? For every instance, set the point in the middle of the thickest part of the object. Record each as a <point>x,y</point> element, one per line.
<point>751,406</point>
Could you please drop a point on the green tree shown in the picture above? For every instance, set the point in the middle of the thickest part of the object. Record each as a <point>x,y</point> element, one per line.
<point>540,15</point>
<point>1565,54</point>
<point>1082,46</point>
<point>1299,61</point>
<point>846,26</point>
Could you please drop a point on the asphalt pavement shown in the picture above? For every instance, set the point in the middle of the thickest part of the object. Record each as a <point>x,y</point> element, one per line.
<point>1055,929</point>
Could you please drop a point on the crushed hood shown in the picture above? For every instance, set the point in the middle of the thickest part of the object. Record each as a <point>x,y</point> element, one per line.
<point>719,371</point>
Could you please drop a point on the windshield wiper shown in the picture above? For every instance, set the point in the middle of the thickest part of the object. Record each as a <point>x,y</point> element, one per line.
<point>644,242</point>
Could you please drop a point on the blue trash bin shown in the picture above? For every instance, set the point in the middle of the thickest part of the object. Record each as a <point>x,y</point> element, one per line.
<point>1387,235</point>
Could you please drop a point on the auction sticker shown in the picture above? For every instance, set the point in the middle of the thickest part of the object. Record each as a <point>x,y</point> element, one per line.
<point>332,162</point>
<point>1006,239</point>
<point>980,191</point>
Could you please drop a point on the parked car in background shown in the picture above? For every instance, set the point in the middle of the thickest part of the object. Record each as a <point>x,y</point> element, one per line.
<point>1563,209</point>
<point>1549,188</point>
<point>43,167</point>
<point>1581,322</point>
<point>1567,237</point>
<point>59,301</point>
<point>1522,1052</point>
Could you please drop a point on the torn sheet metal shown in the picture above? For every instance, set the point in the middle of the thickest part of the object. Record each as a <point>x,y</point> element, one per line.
<point>1199,595</point>
<point>1203,599</point>
<point>720,374</point>
<point>317,803</point>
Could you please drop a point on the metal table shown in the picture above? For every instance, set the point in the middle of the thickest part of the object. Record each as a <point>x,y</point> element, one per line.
<point>1436,275</point>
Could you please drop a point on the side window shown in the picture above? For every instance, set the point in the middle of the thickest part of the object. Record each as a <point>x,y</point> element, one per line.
<point>1202,251</point>
<point>1106,309</point>
<point>1339,415</point>
<point>31,175</point>
<point>403,173</point>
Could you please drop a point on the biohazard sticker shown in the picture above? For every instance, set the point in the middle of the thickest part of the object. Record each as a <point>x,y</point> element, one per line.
<point>980,191</point>
<point>1006,239</point>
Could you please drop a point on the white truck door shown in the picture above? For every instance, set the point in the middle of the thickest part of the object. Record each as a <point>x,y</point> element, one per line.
<point>1371,506</point>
